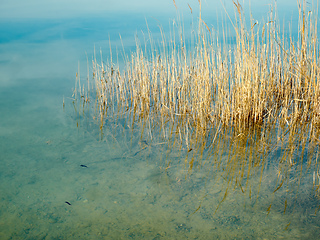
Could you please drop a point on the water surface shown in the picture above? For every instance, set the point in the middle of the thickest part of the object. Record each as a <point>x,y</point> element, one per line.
<point>60,181</point>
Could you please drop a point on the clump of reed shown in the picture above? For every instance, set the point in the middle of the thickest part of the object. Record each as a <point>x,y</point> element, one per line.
<point>214,98</point>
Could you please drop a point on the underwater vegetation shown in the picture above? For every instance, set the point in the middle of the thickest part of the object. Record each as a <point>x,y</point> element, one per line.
<point>232,110</point>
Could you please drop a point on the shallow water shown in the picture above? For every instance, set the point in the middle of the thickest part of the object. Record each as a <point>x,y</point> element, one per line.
<point>60,181</point>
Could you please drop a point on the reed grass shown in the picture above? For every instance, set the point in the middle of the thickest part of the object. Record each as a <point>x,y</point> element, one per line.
<point>229,107</point>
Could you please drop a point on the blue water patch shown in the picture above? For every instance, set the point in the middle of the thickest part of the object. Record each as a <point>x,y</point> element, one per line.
<point>94,28</point>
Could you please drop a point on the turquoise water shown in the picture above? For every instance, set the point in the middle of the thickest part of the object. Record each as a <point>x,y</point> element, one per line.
<point>60,181</point>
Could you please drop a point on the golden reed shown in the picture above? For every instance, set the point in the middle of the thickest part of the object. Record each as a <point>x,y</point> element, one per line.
<point>229,106</point>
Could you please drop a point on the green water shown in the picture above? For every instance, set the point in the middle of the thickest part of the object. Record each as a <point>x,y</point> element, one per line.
<point>123,193</point>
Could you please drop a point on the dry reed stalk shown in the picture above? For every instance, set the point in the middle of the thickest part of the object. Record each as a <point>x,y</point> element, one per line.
<point>233,104</point>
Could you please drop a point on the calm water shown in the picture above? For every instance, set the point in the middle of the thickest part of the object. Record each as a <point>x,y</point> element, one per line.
<point>60,181</point>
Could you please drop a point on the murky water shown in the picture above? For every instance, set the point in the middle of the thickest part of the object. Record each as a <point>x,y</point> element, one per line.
<point>60,181</point>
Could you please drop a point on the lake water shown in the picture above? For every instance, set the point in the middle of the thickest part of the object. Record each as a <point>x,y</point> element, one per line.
<point>62,181</point>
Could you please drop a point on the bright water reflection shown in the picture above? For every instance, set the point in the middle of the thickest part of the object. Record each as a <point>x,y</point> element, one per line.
<point>122,190</point>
